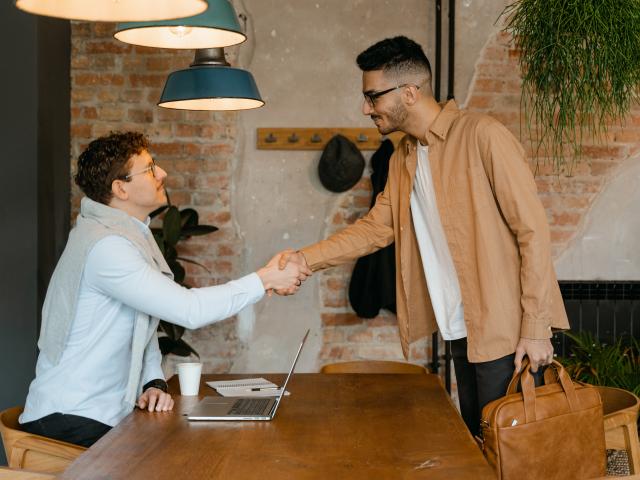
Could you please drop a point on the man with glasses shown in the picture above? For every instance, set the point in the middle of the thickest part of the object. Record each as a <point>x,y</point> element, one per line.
<point>99,354</point>
<point>472,241</point>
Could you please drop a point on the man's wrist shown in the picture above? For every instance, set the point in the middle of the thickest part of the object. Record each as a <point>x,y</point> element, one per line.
<point>158,383</point>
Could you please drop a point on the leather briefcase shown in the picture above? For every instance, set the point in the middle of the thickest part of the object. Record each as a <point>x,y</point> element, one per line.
<point>551,432</point>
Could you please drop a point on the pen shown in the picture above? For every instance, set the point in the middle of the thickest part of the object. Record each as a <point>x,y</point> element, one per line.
<point>259,389</point>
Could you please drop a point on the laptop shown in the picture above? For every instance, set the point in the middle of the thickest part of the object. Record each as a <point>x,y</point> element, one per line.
<point>243,408</point>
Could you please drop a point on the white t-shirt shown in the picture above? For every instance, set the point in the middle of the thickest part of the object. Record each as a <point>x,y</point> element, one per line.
<point>442,279</point>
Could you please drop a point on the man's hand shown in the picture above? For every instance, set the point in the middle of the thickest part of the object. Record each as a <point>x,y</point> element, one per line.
<point>540,353</point>
<point>287,279</point>
<point>288,257</point>
<point>156,400</point>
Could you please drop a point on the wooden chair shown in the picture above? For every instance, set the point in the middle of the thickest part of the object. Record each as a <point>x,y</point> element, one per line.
<point>620,409</point>
<point>33,452</point>
<point>11,474</point>
<point>373,366</point>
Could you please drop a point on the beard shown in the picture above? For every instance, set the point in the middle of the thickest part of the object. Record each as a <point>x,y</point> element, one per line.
<point>395,117</point>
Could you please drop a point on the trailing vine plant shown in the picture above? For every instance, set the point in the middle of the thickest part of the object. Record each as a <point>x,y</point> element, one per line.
<point>580,63</point>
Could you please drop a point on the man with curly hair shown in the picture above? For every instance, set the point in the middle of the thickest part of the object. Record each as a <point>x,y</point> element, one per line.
<point>473,256</point>
<point>99,354</point>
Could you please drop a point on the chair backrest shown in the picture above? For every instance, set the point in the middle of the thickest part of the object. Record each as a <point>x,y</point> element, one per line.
<point>34,452</point>
<point>621,409</point>
<point>373,366</point>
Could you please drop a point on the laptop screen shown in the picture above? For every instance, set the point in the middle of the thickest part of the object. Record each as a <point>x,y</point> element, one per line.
<point>295,360</point>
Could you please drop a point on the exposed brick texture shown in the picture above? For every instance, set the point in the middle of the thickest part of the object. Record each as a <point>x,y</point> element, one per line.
<point>115,86</point>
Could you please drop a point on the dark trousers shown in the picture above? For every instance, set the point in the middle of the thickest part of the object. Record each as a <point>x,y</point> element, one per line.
<point>482,382</point>
<point>478,383</point>
<point>68,428</point>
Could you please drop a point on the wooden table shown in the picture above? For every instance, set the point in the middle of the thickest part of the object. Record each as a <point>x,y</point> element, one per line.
<point>330,427</point>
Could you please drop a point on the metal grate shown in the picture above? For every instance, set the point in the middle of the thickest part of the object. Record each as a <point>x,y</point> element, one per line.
<point>607,309</point>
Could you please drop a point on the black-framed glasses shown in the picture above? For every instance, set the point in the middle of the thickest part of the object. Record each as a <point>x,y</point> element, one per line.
<point>371,97</point>
<point>151,168</point>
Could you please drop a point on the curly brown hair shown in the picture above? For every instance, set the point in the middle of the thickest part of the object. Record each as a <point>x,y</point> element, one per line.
<point>105,160</point>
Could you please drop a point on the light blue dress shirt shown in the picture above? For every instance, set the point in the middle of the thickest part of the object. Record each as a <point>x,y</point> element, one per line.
<point>91,378</point>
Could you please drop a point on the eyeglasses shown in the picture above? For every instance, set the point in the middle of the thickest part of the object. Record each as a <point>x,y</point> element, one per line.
<point>151,168</point>
<point>371,97</point>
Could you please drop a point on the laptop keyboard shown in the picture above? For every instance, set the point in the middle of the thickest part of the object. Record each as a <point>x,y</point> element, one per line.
<point>250,406</point>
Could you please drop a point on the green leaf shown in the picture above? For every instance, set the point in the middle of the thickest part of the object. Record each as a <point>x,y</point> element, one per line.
<point>158,211</point>
<point>188,217</point>
<point>193,262</point>
<point>174,332</point>
<point>157,236</point>
<point>177,270</point>
<point>616,365</point>
<point>197,230</point>
<point>171,226</point>
<point>177,347</point>
<point>170,253</point>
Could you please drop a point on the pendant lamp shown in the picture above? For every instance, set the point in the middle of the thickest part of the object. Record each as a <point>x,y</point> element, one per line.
<point>113,10</point>
<point>217,27</point>
<point>210,83</point>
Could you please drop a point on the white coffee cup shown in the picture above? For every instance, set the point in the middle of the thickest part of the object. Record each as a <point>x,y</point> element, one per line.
<point>189,377</point>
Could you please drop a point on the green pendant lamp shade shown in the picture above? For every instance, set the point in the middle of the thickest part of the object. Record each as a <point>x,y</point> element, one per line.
<point>210,84</point>
<point>217,27</point>
<point>114,10</point>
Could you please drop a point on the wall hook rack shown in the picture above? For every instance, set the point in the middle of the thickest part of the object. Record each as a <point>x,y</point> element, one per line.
<point>317,138</point>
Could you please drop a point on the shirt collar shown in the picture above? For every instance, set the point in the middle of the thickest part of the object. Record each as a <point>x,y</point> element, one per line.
<point>143,226</point>
<point>441,125</point>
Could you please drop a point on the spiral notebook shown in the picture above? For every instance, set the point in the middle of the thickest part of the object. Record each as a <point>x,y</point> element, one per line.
<point>244,407</point>
<point>246,387</point>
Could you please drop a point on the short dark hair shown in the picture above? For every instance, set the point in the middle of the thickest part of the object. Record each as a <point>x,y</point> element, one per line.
<point>105,160</point>
<point>396,55</point>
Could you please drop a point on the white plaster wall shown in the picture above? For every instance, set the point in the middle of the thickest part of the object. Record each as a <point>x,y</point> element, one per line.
<point>607,248</point>
<point>476,22</point>
<point>302,54</point>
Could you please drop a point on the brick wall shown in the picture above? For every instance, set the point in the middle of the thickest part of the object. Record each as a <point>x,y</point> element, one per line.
<point>495,90</point>
<point>116,86</point>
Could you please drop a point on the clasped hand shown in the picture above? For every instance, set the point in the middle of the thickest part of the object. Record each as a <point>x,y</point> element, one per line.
<point>284,274</point>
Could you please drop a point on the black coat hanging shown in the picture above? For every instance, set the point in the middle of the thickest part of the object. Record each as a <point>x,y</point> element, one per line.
<point>373,282</point>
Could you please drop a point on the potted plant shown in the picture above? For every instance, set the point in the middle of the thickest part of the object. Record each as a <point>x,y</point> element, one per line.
<point>616,365</point>
<point>580,64</point>
<point>176,225</point>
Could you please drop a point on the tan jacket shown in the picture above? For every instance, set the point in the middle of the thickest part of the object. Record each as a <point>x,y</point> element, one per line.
<point>495,226</point>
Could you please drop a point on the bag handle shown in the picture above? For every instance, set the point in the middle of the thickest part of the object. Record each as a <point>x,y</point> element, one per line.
<point>528,388</point>
<point>550,377</point>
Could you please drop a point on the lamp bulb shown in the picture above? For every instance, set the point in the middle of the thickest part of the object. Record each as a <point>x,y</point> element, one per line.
<point>180,31</point>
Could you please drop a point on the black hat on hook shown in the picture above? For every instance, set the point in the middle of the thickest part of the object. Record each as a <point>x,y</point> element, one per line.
<point>341,164</point>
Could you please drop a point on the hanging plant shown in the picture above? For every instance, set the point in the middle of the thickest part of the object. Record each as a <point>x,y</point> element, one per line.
<point>580,63</point>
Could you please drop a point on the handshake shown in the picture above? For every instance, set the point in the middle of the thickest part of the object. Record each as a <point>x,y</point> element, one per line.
<point>284,273</point>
